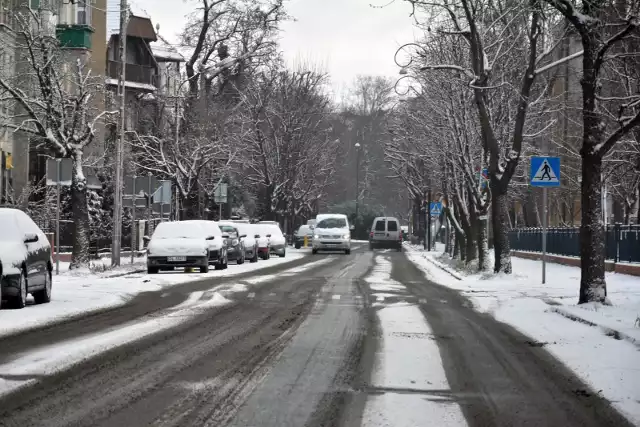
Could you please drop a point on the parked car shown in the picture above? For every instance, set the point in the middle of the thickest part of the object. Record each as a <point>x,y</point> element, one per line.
<point>216,240</point>
<point>262,238</point>
<point>235,242</point>
<point>277,241</point>
<point>249,240</point>
<point>331,233</point>
<point>178,244</point>
<point>302,232</point>
<point>385,232</point>
<point>25,260</point>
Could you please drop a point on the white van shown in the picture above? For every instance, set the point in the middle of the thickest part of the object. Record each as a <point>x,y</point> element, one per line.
<point>385,232</point>
<point>331,233</point>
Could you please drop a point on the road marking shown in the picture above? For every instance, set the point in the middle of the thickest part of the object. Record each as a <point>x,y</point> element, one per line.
<point>272,294</point>
<point>335,296</point>
<point>251,295</point>
<point>422,300</point>
<point>193,297</point>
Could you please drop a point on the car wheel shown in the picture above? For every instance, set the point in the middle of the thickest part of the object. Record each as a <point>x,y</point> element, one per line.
<point>204,269</point>
<point>20,301</point>
<point>347,251</point>
<point>241,259</point>
<point>298,245</point>
<point>44,296</point>
<point>283,254</point>
<point>152,270</point>
<point>226,263</point>
<point>254,258</point>
<point>399,248</point>
<point>314,251</point>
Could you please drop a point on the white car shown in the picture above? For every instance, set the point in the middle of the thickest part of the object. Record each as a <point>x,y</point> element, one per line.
<point>216,241</point>
<point>177,244</point>
<point>331,233</point>
<point>277,241</point>
<point>250,241</point>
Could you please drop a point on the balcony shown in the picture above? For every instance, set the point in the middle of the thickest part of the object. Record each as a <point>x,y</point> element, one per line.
<point>74,36</point>
<point>134,73</point>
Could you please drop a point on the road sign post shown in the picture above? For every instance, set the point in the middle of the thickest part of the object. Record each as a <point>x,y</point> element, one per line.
<point>220,196</point>
<point>435,209</point>
<point>133,217</point>
<point>545,173</point>
<point>58,188</point>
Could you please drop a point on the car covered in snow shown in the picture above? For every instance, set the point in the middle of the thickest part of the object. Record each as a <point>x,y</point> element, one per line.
<point>235,243</point>
<point>178,244</point>
<point>25,260</point>
<point>247,236</point>
<point>216,241</point>
<point>262,240</point>
<point>277,241</point>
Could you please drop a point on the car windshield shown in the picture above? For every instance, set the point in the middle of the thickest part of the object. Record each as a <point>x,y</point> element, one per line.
<point>227,229</point>
<point>10,231</point>
<point>272,229</point>
<point>332,223</point>
<point>179,230</point>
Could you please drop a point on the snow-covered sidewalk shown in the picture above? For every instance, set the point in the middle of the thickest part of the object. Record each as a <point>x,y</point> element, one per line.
<point>80,292</point>
<point>600,343</point>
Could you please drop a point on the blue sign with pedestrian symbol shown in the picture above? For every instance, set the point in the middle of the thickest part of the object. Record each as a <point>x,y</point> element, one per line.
<point>435,208</point>
<point>545,172</point>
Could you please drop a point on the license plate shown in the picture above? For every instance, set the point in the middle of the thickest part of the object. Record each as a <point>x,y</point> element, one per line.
<point>176,258</point>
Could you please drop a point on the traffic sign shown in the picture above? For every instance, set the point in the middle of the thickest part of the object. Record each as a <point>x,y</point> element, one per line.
<point>435,208</point>
<point>484,177</point>
<point>220,193</point>
<point>545,172</point>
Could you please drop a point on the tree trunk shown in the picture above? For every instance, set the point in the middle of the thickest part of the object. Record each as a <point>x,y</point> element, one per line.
<point>80,212</point>
<point>500,219</point>
<point>483,242</point>
<point>592,282</point>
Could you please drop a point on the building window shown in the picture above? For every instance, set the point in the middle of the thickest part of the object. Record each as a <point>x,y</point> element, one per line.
<point>83,12</point>
<point>6,12</point>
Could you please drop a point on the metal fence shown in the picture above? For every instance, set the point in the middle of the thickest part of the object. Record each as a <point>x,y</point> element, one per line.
<point>622,242</point>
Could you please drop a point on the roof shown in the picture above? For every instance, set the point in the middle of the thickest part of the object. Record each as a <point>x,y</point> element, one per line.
<point>166,53</point>
<point>141,27</point>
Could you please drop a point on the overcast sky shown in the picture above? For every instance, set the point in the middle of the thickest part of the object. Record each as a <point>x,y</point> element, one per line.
<point>346,37</point>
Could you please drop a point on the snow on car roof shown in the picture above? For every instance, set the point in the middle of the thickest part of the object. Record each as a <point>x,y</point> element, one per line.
<point>179,230</point>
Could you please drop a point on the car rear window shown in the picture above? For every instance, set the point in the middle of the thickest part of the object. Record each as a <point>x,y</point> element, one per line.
<point>392,226</point>
<point>379,225</point>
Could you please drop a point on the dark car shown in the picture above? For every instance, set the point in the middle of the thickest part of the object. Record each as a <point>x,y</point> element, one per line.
<point>235,243</point>
<point>299,237</point>
<point>25,259</point>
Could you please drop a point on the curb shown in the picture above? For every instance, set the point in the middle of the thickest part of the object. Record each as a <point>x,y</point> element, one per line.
<point>437,264</point>
<point>613,333</point>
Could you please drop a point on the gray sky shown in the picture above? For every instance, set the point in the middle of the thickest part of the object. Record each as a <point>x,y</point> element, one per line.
<point>345,37</point>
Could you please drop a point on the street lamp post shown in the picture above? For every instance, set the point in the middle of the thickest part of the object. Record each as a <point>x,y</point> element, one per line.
<point>357,146</point>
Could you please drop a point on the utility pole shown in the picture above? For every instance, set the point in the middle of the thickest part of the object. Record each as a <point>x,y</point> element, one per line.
<point>117,202</point>
<point>177,139</point>
<point>355,225</point>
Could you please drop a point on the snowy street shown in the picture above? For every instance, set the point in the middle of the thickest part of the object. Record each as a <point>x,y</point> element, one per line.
<point>341,340</point>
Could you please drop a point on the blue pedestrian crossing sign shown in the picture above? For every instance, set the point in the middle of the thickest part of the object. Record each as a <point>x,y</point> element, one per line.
<point>545,172</point>
<point>435,208</point>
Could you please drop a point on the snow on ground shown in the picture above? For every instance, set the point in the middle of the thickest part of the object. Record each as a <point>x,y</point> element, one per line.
<point>407,359</point>
<point>601,344</point>
<point>79,292</point>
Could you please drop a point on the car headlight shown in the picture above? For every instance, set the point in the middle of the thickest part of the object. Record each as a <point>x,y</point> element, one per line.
<point>346,237</point>
<point>315,236</point>
<point>234,242</point>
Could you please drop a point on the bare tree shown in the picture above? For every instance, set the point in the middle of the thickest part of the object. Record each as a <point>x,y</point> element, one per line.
<point>53,105</point>
<point>608,31</point>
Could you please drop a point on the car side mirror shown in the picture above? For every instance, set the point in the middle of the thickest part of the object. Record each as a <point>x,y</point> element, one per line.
<point>30,238</point>
<point>257,236</point>
<point>225,236</point>
<point>243,236</point>
<point>352,227</point>
<point>268,235</point>
<point>211,237</point>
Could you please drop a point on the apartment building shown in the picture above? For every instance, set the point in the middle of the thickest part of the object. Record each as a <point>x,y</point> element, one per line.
<point>80,27</point>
